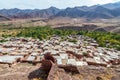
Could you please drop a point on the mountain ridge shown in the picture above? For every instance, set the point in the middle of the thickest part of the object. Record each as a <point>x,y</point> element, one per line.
<point>106,11</point>
<point>4,18</point>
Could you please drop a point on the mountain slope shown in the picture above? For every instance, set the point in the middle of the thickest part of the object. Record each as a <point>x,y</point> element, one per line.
<point>28,13</point>
<point>96,12</point>
<point>3,18</point>
<point>105,11</point>
<point>70,12</point>
<point>112,5</point>
<point>99,12</point>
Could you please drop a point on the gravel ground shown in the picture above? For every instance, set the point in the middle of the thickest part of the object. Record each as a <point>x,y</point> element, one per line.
<point>26,71</point>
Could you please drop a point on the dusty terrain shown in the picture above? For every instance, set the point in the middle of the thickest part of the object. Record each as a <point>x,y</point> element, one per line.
<point>22,71</point>
<point>27,71</point>
<point>31,72</point>
<point>108,25</point>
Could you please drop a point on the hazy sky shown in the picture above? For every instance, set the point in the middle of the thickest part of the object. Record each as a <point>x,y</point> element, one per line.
<point>41,4</point>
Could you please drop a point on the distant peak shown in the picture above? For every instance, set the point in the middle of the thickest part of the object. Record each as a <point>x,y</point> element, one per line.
<point>52,7</point>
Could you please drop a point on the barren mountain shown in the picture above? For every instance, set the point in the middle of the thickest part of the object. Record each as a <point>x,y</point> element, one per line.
<point>105,11</point>
<point>91,12</point>
<point>3,18</point>
<point>112,5</point>
<point>28,13</point>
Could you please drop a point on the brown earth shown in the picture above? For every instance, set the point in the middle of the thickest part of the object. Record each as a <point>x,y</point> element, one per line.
<point>87,73</point>
<point>108,25</point>
<point>22,71</point>
<point>25,71</point>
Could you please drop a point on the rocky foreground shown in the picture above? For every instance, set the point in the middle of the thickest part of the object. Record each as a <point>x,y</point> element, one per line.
<point>59,58</point>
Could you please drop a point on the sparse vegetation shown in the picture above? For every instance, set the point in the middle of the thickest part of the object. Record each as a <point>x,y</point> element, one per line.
<point>85,54</point>
<point>104,39</point>
<point>5,25</point>
<point>2,40</point>
<point>72,40</point>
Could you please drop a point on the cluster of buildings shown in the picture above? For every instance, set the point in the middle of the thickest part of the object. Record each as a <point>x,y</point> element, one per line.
<point>74,50</point>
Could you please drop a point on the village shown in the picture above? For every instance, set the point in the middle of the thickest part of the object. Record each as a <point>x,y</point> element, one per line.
<point>75,50</point>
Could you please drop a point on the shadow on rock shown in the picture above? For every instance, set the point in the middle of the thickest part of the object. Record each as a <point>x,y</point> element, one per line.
<point>39,74</point>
